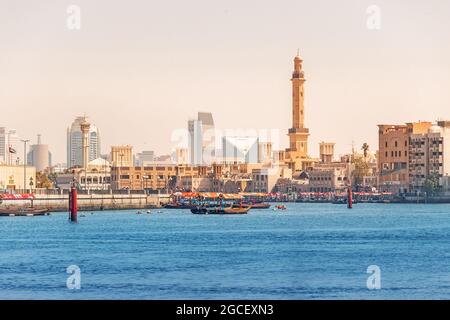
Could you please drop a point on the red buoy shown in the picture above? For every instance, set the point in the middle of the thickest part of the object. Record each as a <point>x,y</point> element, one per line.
<point>349,198</point>
<point>73,204</point>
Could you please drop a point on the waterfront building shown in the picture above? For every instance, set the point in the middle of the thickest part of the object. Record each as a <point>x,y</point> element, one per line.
<point>75,143</point>
<point>429,156</point>
<point>122,156</point>
<point>393,155</point>
<point>96,178</point>
<point>326,151</point>
<point>157,177</point>
<point>328,177</point>
<point>265,179</point>
<point>39,155</point>
<point>195,184</point>
<point>11,177</point>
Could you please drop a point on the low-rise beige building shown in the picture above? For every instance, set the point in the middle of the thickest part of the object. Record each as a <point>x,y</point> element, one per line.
<point>12,177</point>
<point>328,177</point>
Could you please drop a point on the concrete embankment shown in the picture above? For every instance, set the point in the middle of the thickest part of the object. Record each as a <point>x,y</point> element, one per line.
<point>89,202</point>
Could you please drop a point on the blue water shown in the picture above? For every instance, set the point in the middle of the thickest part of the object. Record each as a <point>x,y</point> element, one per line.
<point>310,251</point>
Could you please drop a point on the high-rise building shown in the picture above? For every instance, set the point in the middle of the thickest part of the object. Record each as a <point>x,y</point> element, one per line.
<point>208,133</point>
<point>3,145</point>
<point>39,155</point>
<point>75,143</point>
<point>201,140</point>
<point>14,145</point>
<point>195,129</point>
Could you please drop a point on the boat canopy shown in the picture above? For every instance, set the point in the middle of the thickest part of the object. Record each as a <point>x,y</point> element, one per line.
<point>207,195</point>
<point>254,194</point>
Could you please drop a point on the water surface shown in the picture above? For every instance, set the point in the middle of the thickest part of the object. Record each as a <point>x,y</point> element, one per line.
<point>310,251</point>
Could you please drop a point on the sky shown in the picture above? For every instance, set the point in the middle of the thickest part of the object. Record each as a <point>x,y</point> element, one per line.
<point>142,69</point>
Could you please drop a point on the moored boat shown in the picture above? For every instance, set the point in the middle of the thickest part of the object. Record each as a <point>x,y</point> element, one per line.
<point>23,212</point>
<point>219,210</point>
<point>261,205</point>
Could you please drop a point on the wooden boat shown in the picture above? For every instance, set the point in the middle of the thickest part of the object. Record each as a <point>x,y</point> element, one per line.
<point>178,206</point>
<point>22,212</point>
<point>218,210</point>
<point>260,205</point>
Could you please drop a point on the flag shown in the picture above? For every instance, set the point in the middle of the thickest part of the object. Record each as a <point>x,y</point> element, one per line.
<point>12,150</point>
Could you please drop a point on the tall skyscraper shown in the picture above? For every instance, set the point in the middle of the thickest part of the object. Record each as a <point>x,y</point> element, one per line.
<point>14,145</point>
<point>201,138</point>
<point>75,143</point>
<point>39,156</point>
<point>208,139</point>
<point>195,142</point>
<point>3,145</point>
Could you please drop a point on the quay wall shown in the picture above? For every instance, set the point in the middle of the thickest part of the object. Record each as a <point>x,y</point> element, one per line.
<point>90,202</point>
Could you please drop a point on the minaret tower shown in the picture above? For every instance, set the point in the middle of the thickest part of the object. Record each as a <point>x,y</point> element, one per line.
<point>298,134</point>
<point>85,126</point>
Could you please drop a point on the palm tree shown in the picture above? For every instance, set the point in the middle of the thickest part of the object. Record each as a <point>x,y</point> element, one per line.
<point>365,148</point>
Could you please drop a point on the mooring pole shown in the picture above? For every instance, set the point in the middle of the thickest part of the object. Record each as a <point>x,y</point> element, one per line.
<point>349,197</point>
<point>73,204</point>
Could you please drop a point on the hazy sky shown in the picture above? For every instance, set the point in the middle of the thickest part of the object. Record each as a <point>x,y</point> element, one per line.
<point>141,69</point>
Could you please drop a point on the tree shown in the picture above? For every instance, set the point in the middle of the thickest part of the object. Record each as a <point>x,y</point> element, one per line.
<point>365,148</point>
<point>361,169</point>
<point>431,185</point>
<point>43,181</point>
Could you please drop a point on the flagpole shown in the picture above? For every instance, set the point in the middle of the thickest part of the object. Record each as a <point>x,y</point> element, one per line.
<point>24,165</point>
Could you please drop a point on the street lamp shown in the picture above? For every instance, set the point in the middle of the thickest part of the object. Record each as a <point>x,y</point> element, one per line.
<point>25,164</point>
